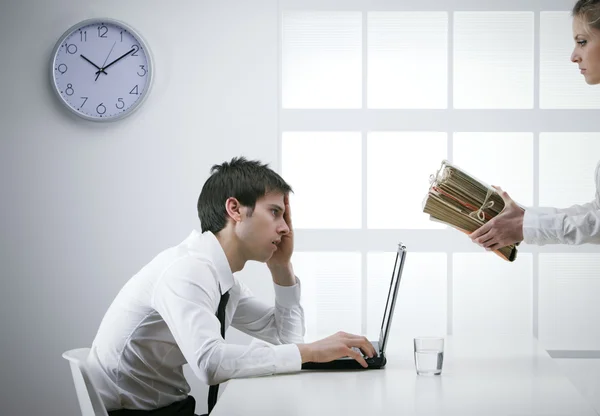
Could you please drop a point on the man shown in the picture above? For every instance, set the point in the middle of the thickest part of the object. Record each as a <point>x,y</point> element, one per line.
<point>176,309</point>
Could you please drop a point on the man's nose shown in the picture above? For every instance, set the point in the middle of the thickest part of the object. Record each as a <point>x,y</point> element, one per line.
<point>284,229</point>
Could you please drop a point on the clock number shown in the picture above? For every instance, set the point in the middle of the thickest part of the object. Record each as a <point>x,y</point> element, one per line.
<point>83,35</point>
<point>101,109</point>
<point>71,48</point>
<point>69,90</point>
<point>144,69</point>
<point>84,100</point>
<point>121,103</point>
<point>137,48</point>
<point>121,35</point>
<point>62,68</point>
<point>102,31</point>
<point>134,91</point>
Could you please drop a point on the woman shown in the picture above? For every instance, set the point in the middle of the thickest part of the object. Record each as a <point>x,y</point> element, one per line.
<point>578,224</point>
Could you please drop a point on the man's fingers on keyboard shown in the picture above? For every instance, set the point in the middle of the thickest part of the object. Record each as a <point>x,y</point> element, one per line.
<point>363,345</point>
<point>362,352</point>
<point>357,356</point>
<point>367,347</point>
<point>369,352</point>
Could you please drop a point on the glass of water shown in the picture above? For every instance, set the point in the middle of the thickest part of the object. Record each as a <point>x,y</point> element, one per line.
<point>429,355</point>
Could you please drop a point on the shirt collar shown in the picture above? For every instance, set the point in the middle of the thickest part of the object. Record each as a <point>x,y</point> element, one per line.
<point>208,246</point>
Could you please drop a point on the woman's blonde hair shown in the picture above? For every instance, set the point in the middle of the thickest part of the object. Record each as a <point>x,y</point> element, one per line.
<point>589,12</point>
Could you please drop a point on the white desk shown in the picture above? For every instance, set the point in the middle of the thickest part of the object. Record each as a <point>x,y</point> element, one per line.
<point>483,377</point>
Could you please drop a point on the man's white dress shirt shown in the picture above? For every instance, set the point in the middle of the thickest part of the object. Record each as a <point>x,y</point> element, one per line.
<point>164,317</point>
<point>578,224</point>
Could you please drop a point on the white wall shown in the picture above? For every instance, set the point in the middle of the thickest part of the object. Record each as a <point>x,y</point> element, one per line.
<point>85,205</point>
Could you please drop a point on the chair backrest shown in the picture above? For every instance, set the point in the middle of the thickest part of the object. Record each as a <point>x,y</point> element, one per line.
<point>87,395</point>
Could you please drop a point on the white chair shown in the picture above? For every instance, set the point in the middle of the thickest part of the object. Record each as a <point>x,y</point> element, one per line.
<point>87,395</point>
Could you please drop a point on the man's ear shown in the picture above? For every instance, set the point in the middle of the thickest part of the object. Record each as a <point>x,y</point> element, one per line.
<point>234,209</point>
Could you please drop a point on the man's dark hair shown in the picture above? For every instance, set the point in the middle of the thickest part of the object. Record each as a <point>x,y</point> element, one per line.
<point>242,179</point>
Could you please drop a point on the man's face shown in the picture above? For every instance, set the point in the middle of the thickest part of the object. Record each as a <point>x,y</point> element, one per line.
<point>586,53</point>
<point>260,231</point>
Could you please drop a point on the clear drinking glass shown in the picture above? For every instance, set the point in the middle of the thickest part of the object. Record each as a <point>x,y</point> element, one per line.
<point>429,355</point>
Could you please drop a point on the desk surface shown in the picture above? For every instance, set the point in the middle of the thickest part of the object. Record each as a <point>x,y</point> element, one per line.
<point>481,376</point>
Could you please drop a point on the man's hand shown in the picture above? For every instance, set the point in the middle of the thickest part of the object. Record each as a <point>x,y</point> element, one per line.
<point>280,260</point>
<point>337,346</point>
<point>504,229</point>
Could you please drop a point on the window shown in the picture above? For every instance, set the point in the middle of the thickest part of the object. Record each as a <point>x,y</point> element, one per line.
<point>373,97</point>
<point>407,54</point>
<point>493,59</point>
<point>321,60</point>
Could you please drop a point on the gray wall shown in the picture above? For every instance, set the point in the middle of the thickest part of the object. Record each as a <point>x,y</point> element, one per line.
<point>85,205</point>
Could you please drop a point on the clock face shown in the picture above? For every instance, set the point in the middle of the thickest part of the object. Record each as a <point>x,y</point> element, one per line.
<point>101,69</point>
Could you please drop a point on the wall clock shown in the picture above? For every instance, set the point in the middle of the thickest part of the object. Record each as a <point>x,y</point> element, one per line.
<point>101,69</point>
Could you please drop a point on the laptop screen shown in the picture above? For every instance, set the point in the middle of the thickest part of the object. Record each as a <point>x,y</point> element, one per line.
<point>390,304</point>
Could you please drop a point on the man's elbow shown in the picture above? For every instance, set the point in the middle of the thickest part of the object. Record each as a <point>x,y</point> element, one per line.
<point>292,337</point>
<point>210,366</point>
<point>215,377</point>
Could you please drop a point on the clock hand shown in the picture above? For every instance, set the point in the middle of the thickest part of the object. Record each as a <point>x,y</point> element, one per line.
<point>102,69</point>
<point>96,66</point>
<point>116,60</point>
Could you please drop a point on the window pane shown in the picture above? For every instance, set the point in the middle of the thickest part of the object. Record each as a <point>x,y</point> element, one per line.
<point>567,166</point>
<point>321,59</point>
<point>561,84</point>
<point>493,60</point>
<point>492,296</point>
<point>331,292</point>
<point>569,307</point>
<point>407,60</point>
<point>422,297</point>
<point>398,168</point>
<point>472,153</point>
<point>320,177</point>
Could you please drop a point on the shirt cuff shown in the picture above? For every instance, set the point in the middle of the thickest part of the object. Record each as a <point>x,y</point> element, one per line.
<point>287,358</point>
<point>529,226</point>
<point>539,228</point>
<point>288,296</point>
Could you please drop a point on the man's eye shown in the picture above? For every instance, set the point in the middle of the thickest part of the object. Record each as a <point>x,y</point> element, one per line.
<point>274,211</point>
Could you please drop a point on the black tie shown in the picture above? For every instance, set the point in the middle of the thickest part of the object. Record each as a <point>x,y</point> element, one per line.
<point>214,390</point>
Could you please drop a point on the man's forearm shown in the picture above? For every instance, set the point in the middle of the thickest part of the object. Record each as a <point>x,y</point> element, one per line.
<point>305,352</point>
<point>283,275</point>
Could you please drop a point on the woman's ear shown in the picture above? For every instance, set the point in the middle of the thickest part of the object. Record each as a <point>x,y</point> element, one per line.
<point>234,209</point>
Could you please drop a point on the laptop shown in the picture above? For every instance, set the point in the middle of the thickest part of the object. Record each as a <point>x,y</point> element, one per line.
<point>379,360</point>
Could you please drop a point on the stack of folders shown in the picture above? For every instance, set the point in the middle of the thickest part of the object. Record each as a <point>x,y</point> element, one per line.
<point>460,200</point>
